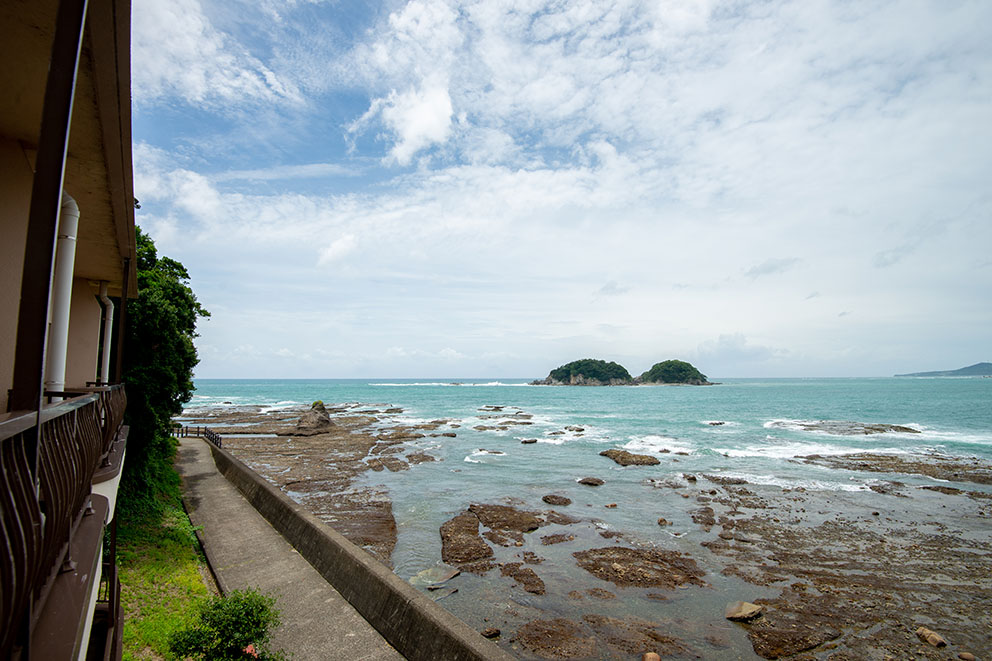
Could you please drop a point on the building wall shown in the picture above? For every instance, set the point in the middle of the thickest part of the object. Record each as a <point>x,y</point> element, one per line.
<point>82,357</point>
<point>16,176</point>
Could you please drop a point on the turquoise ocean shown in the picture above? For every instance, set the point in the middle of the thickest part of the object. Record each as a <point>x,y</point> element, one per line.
<point>759,438</point>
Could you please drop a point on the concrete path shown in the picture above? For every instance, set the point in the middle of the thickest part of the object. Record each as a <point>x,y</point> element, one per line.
<point>245,551</point>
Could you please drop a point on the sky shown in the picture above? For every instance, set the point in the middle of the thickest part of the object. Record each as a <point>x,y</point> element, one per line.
<point>492,188</point>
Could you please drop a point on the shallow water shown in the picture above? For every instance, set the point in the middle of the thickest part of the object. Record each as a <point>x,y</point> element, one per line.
<point>759,439</point>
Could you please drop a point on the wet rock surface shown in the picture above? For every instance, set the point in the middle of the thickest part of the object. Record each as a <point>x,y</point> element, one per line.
<point>644,568</point>
<point>556,639</point>
<point>937,466</point>
<point>316,467</point>
<point>839,575</point>
<point>625,458</point>
<point>849,428</point>
<point>460,541</point>
<point>526,577</point>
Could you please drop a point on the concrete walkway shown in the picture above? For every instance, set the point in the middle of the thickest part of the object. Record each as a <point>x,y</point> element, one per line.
<point>245,551</point>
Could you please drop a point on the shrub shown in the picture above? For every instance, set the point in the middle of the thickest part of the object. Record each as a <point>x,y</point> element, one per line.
<point>227,626</point>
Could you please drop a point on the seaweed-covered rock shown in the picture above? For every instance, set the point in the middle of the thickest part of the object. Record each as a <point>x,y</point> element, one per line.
<point>461,542</point>
<point>625,458</point>
<point>628,567</point>
<point>556,639</point>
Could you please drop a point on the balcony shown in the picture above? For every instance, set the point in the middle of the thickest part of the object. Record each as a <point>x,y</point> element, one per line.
<point>59,470</point>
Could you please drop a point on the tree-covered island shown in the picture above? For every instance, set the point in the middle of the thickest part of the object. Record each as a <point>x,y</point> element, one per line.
<point>594,372</point>
<point>674,371</point>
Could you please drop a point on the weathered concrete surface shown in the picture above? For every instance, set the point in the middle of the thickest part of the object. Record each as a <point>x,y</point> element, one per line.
<point>416,626</point>
<point>245,551</point>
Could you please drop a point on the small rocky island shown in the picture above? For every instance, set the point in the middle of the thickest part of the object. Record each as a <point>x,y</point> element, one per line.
<point>594,372</point>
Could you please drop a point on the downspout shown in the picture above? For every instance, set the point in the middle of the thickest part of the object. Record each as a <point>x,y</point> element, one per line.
<point>65,260</point>
<point>108,332</point>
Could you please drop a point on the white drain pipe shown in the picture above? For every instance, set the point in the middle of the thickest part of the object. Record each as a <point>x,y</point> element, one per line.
<point>108,332</point>
<point>65,260</point>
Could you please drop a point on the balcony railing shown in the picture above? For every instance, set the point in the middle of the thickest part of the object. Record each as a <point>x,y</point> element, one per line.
<point>45,496</point>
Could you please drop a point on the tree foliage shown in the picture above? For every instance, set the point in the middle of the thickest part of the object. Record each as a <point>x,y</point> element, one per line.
<point>591,368</point>
<point>159,357</point>
<point>673,371</point>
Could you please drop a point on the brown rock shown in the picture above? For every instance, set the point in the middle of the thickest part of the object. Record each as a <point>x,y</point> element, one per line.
<point>592,481</point>
<point>525,576</point>
<point>491,632</point>
<point>611,506</point>
<point>640,567</point>
<point>931,637</point>
<point>532,558</point>
<point>504,517</point>
<point>460,540</point>
<point>561,519</point>
<point>314,421</point>
<point>704,516</point>
<point>625,458</point>
<point>742,611</point>
<point>555,499</point>
<point>555,639</point>
<point>547,540</point>
<point>966,656</point>
<point>528,441</point>
<point>664,522</point>
<point>776,642</point>
<point>633,635</point>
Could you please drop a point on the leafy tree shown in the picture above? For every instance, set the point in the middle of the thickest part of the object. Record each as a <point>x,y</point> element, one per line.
<point>158,365</point>
<point>236,626</point>
<point>590,368</point>
<point>673,371</point>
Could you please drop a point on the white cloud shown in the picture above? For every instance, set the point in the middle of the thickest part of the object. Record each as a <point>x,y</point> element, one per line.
<point>176,52</point>
<point>419,118</point>
<point>338,249</point>
<point>720,160</point>
<point>772,266</point>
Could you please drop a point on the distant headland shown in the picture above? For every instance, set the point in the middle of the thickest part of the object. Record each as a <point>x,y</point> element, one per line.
<point>595,372</point>
<point>978,369</point>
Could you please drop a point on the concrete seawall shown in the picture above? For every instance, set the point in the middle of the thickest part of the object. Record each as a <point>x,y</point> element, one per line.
<point>411,622</point>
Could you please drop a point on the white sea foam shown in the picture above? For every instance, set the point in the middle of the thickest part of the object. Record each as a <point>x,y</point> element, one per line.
<point>279,406</point>
<point>657,444</point>
<point>791,450</point>
<point>793,483</point>
<point>477,456</point>
<point>951,437</point>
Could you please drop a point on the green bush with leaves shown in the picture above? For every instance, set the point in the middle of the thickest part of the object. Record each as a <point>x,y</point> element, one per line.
<point>236,626</point>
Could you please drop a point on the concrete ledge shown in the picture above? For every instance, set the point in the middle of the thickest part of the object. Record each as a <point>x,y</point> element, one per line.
<point>411,622</point>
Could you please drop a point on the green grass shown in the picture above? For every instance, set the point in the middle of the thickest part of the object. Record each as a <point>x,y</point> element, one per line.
<point>161,567</point>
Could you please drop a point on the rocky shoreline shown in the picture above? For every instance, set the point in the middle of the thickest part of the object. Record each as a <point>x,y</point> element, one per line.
<point>826,575</point>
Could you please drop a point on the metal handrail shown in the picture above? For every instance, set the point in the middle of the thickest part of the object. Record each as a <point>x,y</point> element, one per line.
<point>183,431</point>
<point>41,510</point>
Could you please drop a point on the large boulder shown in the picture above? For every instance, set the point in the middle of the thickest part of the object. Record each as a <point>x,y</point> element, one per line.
<point>314,421</point>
